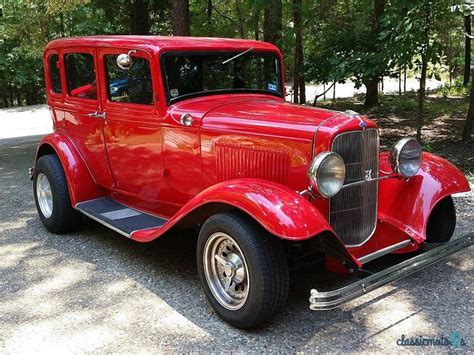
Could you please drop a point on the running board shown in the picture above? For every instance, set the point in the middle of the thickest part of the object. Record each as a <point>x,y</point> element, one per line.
<point>117,216</point>
<point>333,299</point>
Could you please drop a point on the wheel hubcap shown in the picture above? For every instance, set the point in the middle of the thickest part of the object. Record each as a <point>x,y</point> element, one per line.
<point>226,271</point>
<point>44,195</point>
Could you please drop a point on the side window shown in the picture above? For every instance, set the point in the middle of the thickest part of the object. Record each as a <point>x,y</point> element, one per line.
<point>132,85</point>
<point>54,74</point>
<point>80,73</point>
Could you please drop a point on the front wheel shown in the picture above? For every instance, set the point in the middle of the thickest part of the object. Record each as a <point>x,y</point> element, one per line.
<point>242,269</point>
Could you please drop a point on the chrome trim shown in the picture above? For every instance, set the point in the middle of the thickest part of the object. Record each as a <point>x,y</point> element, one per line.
<point>314,169</point>
<point>186,120</point>
<point>369,180</point>
<point>96,114</point>
<point>387,250</point>
<point>376,178</point>
<point>396,151</point>
<point>309,193</point>
<point>336,298</point>
<point>115,229</point>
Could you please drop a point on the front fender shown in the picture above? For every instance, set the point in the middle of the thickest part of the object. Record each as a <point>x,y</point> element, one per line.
<point>81,185</point>
<point>280,210</point>
<point>407,204</point>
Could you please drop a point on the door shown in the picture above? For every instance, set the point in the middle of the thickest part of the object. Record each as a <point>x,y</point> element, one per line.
<point>83,116</point>
<point>132,127</point>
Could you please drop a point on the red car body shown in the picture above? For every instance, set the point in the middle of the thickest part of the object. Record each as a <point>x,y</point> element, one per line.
<point>245,151</point>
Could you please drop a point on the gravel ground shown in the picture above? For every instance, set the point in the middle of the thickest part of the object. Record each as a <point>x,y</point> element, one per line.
<point>95,290</point>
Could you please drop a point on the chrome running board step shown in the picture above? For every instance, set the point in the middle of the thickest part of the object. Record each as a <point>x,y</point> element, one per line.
<point>117,216</point>
<point>336,298</point>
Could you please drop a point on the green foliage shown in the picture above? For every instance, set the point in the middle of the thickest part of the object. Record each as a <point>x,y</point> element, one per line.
<point>457,89</point>
<point>342,39</point>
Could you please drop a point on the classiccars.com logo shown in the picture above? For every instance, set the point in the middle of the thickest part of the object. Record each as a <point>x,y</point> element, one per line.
<point>454,339</point>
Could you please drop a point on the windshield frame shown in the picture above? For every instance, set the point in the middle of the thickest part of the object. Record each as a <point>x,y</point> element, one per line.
<point>204,52</point>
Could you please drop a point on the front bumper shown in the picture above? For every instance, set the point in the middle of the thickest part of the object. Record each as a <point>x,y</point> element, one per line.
<point>336,298</point>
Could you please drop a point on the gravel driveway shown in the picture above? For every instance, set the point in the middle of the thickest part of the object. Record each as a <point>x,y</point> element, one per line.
<point>95,290</point>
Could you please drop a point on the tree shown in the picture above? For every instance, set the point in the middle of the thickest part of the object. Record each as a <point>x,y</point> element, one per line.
<point>180,18</point>
<point>140,17</point>
<point>371,78</point>
<point>467,39</point>
<point>467,131</point>
<point>272,22</point>
<point>298,76</point>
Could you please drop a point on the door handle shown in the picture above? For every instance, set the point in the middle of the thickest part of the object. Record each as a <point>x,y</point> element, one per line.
<point>96,114</point>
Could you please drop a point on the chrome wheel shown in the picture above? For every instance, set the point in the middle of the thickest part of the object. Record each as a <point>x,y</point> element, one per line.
<point>226,271</point>
<point>44,195</point>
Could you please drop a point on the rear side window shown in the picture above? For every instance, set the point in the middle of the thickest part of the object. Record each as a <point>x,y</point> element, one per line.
<point>54,74</point>
<point>80,73</point>
<point>132,85</point>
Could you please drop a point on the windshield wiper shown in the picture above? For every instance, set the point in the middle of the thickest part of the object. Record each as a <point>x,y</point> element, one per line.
<point>238,55</point>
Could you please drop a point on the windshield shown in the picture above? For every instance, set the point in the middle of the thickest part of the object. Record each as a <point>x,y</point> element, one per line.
<point>200,73</point>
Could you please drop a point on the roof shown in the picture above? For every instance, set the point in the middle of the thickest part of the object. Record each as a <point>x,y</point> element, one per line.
<point>158,42</point>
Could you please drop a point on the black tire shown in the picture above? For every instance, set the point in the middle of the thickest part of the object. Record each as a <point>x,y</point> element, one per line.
<point>442,222</point>
<point>265,261</point>
<point>63,218</point>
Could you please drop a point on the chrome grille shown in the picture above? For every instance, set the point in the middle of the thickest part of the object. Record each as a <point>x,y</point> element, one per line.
<point>353,211</point>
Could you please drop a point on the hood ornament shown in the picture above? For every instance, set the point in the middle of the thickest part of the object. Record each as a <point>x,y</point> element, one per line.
<point>353,114</point>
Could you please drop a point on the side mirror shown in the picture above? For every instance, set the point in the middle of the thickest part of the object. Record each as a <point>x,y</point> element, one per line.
<point>124,61</point>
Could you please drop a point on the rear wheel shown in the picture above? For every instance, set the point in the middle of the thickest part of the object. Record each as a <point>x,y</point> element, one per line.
<point>52,196</point>
<point>242,269</point>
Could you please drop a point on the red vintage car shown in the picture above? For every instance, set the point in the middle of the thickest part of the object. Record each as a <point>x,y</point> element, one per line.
<point>156,133</point>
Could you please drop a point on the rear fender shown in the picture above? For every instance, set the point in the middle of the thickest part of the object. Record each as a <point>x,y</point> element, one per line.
<point>81,185</point>
<point>407,204</point>
<point>280,210</point>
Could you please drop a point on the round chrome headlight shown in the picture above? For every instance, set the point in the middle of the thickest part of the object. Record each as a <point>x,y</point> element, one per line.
<point>405,157</point>
<point>326,174</point>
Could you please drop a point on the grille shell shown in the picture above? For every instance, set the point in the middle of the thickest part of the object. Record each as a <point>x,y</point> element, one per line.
<point>353,211</point>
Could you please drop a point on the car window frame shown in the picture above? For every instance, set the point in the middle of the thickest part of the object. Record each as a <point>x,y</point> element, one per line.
<point>49,82</point>
<point>102,52</point>
<point>204,52</point>
<point>81,50</point>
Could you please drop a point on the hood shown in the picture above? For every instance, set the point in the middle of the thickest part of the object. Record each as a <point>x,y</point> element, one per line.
<point>258,111</point>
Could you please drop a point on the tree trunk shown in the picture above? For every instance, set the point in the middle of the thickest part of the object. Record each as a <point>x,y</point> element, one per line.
<point>404,80</point>
<point>256,24</point>
<point>180,18</point>
<point>467,131</point>
<point>334,92</point>
<point>272,22</point>
<point>399,83</point>
<point>302,90</point>
<point>372,93</point>
<point>238,7</point>
<point>467,49</point>
<point>371,83</point>
<point>424,68</point>
<point>298,60</point>
<point>210,30</point>
<point>296,89</point>
<point>140,17</point>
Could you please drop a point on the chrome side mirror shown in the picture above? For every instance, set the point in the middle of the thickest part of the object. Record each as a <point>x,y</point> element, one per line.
<point>124,61</point>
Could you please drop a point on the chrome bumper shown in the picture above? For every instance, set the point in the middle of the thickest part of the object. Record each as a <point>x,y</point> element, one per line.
<point>336,298</point>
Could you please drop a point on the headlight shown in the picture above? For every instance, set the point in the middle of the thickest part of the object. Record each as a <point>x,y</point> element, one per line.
<point>326,174</point>
<point>405,157</point>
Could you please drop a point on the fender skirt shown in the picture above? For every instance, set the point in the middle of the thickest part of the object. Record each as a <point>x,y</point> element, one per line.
<point>80,182</point>
<point>407,203</point>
